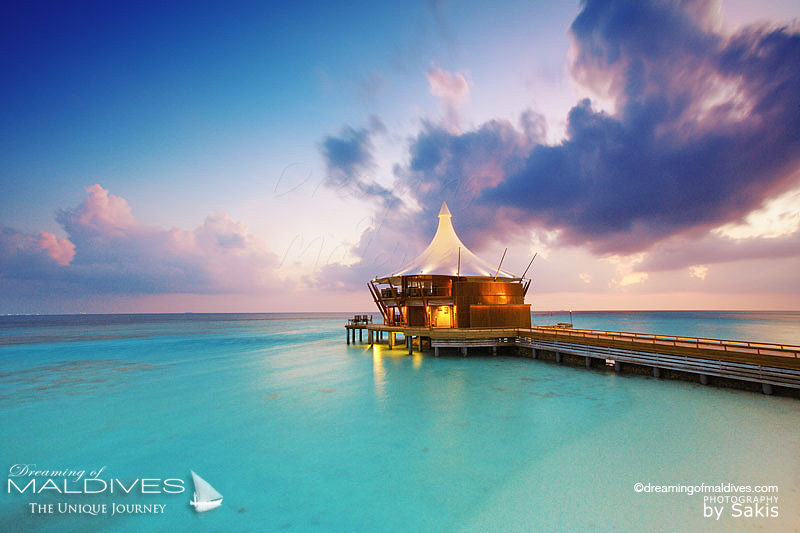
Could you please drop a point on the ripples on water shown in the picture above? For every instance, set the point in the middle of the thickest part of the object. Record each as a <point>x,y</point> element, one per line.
<point>300,431</point>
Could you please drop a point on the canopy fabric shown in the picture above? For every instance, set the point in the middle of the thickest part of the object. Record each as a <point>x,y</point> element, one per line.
<point>442,255</point>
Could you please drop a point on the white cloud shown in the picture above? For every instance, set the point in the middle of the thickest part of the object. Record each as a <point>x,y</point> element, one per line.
<point>778,217</point>
<point>633,278</point>
<point>626,270</point>
<point>698,271</point>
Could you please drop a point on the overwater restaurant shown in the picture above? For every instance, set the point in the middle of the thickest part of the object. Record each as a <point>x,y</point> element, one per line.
<point>448,286</point>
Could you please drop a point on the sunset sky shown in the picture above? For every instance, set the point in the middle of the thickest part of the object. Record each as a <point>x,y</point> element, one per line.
<point>246,157</point>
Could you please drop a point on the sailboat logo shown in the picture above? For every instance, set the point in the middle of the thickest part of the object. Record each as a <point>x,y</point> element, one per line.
<point>206,497</point>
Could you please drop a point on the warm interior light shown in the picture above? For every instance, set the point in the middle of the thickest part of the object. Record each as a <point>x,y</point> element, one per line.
<point>441,316</point>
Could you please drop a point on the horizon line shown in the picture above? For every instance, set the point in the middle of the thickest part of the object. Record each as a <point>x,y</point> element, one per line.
<point>378,312</point>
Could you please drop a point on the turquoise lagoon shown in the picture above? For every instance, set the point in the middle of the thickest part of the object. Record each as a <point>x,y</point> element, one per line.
<point>301,432</point>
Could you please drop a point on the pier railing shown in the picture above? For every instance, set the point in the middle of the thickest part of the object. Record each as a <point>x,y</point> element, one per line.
<point>758,348</point>
<point>416,292</point>
<point>587,335</point>
<point>766,363</point>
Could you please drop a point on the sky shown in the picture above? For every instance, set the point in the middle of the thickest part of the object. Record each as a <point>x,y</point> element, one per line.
<point>257,157</point>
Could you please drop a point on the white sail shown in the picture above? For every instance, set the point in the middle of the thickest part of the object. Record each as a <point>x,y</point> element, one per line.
<point>204,491</point>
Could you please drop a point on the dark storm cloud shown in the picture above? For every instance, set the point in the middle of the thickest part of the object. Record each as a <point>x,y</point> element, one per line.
<point>457,167</point>
<point>348,153</point>
<point>706,127</point>
<point>350,163</point>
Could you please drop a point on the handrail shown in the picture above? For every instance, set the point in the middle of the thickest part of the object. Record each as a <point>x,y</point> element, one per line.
<point>360,320</point>
<point>668,340</point>
<point>415,292</point>
<point>673,340</point>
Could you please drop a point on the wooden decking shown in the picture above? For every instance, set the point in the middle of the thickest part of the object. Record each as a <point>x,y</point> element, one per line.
<point>712,348</point>
<point>764,363</point>
<point>768,364</point>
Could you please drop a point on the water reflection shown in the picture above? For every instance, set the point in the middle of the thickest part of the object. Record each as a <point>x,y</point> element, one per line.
<point>378,372</point>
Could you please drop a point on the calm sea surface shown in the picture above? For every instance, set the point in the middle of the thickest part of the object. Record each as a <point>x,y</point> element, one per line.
<point>301,432</point>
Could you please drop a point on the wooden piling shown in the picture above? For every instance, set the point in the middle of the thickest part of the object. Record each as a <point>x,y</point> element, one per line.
<point>765,364</point>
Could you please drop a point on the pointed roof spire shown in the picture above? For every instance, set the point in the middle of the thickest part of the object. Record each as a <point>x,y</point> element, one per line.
<point>447,255</point>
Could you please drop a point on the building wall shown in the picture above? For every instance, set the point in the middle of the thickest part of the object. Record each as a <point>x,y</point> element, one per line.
<point>496,303</point>
<point>500,316</point>
<point>487,293</point>
<point>416,316</point>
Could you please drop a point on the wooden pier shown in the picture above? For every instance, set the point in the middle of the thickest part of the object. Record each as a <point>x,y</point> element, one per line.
<point>763,363</point>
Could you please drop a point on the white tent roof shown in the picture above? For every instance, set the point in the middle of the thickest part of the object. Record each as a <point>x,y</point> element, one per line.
<point>441,255</point>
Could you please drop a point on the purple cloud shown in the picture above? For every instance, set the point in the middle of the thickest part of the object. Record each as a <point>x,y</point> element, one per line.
<point>110,251</point>
<point>452,89</point>
<point>460,167</point>
<point>29,257</point>
<point>350,164</point>
<point>680,253</point>
<point>59,250</point>
<point>705,128</point>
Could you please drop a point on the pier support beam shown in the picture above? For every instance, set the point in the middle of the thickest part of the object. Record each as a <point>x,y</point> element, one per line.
<point>637,361</point>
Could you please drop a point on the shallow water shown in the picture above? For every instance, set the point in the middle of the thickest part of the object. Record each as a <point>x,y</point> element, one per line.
<point>300,432</point>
